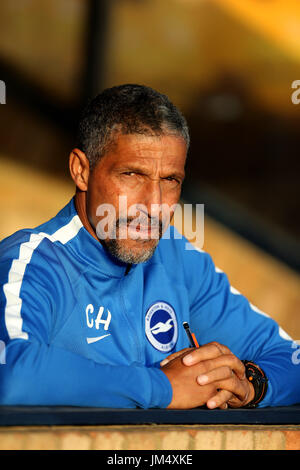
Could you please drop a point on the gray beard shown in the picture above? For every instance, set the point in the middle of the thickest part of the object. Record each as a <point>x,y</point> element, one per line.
<point>126,255</point>
<point>115,248</point>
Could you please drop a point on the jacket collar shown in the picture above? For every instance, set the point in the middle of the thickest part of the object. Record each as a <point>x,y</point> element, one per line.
<point>91,250</point>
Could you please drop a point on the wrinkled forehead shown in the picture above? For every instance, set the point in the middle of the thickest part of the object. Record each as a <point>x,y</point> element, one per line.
<point>142,149</point>
<point>118,131</point>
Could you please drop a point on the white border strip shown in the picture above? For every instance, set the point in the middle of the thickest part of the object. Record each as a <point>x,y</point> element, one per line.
<point>12,289</point>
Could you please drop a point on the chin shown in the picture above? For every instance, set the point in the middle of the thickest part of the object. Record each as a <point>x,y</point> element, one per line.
<point>133,251</point>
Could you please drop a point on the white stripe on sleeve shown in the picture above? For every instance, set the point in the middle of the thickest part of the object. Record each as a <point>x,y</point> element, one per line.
<point>12,289</point>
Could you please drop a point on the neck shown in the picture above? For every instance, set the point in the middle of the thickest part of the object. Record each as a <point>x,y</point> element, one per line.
<point>80,204</point>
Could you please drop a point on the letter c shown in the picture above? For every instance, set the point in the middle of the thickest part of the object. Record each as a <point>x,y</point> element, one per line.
<point>89,309</point>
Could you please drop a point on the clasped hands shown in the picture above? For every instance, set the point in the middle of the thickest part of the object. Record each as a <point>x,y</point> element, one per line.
<point>210,375</point>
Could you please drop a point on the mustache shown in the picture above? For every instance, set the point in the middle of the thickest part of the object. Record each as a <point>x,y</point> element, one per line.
<point>138,225</point>
<point>142,221</point>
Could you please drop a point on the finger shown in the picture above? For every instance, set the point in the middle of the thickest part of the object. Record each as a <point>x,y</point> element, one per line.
<point>219,400</point>
<point>234,402</point>
<point>174,356</point>
<point>215,361</point>
<point>229,361</point>
<point>208,351</point>
<point>224,406</point>
<point>219,374</point>
<point>242,399</point>
<point>235,386</point>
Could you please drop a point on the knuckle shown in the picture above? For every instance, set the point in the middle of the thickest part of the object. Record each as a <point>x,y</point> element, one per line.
<point>236,363</point>
<point>232,358</point>
<point>216,347</point>
<point>205,366</point>
<point>221,348</point>
<point>228,371</point>
<point>224,396</point>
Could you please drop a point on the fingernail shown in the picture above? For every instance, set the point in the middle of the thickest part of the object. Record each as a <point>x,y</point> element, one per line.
<point>164,362</point>
<point>188,360</point>
<point>211,404</point>
<point>202,379</point>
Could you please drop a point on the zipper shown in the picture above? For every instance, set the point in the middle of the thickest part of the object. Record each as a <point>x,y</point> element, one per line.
<point>135,336</point>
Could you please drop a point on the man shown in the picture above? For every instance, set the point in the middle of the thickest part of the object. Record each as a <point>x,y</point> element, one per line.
<point>93,301</point>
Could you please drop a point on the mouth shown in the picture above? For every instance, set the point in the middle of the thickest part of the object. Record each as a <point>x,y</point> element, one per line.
<point>145,228</point>
<point>143,231</point>
<point>134,229</point>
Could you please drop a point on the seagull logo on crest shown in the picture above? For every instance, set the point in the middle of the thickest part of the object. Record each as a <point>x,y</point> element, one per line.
<point>161,327</point>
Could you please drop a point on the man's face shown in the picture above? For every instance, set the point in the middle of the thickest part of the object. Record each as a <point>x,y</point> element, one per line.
<point>139,177</point>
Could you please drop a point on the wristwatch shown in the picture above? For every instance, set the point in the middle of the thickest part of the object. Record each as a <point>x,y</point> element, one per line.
<point>259,380</point>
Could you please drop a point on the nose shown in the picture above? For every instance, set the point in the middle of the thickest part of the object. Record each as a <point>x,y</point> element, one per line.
<point>153,197</point>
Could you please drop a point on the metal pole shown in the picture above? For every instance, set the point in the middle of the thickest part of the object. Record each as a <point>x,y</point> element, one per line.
<point>96,36</point>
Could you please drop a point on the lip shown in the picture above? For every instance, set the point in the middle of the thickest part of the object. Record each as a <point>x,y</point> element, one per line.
<point>141,229</point>
<point>147,231</point>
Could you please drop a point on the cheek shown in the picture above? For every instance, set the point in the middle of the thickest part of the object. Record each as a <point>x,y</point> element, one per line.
<point>169,204</point>
<point>97,197</point>
<point>91,211</point>
<point>171,196</point>
<point>105,203</point>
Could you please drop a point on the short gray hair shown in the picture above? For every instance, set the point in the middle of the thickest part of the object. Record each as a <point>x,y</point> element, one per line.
<point>128,109</point>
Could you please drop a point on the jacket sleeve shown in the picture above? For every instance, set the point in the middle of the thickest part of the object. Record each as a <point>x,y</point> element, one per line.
<point>220,313</point>
<point>34,372</point>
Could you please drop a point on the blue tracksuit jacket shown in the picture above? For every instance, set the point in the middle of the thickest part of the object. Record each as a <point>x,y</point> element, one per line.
<point>78,330</point>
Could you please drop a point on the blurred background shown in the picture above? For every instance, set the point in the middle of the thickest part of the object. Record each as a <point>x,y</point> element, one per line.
<point>228,65</point>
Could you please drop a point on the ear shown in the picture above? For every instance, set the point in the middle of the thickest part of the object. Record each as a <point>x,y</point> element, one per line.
<point>79,169</point>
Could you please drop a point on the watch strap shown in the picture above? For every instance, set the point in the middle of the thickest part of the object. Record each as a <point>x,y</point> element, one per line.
<point>258,379</point>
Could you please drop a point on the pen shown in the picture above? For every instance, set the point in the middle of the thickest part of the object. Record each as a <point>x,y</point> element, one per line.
<point>191,336</point>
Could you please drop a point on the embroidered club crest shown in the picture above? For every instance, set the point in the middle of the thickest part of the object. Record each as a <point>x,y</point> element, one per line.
<point>161,326</point>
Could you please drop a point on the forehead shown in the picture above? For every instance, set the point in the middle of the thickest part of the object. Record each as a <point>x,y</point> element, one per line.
<point>145,150</point>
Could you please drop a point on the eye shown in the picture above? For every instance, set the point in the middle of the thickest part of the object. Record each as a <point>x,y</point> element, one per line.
<point>129,173</point>
<point>172,179</point>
